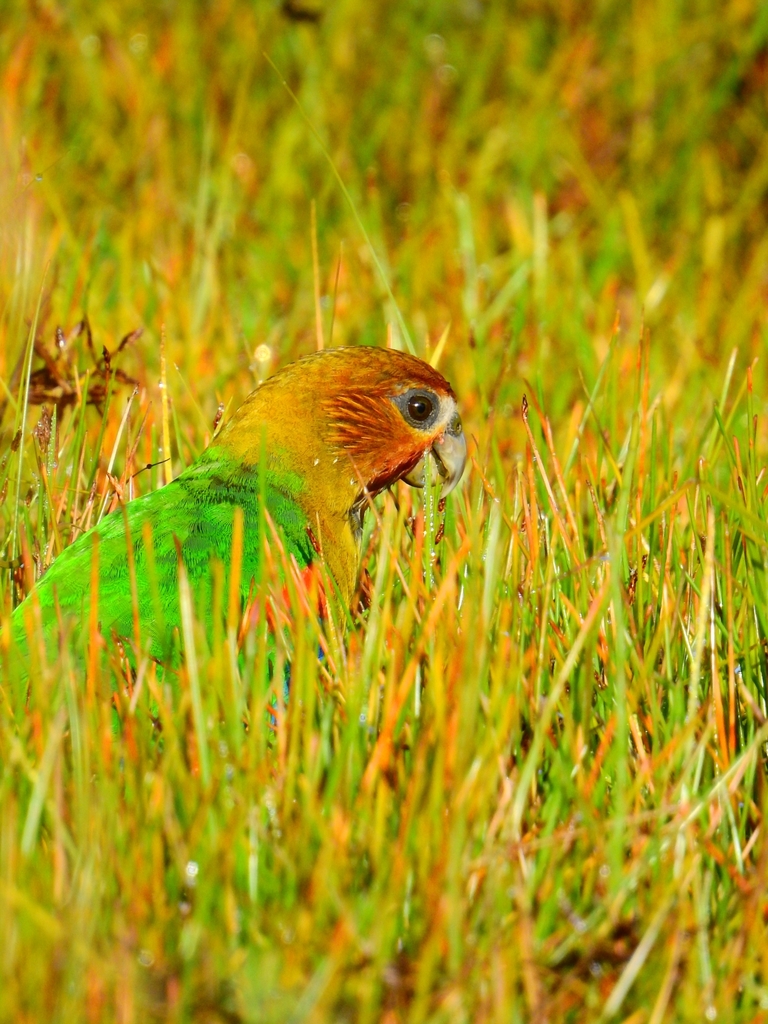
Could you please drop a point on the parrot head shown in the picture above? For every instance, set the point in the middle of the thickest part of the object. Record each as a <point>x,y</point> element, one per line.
<point>395,412</point>
<point>340,426</point>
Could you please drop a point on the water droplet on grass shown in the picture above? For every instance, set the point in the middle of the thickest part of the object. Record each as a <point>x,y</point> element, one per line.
<point>138,44</point>
<point>434,45</point>
<point>90,46</point>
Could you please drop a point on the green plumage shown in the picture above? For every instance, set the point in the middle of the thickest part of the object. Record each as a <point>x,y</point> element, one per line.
<point>195,511</point>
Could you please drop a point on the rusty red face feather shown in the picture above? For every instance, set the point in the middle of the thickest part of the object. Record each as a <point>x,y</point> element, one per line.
<point>387,421</point>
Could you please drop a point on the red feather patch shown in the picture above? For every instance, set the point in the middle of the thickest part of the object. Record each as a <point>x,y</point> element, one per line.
<point>365,423</point>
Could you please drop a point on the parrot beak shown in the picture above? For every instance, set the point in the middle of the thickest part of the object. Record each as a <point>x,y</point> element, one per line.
<point>450,455</point>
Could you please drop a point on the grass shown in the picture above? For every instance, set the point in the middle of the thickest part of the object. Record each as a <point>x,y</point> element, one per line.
<point>529,783</point>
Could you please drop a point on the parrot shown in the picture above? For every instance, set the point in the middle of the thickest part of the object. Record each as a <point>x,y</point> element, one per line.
<point>310,446</point>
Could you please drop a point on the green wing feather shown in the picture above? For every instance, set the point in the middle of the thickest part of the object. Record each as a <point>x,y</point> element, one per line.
<point>195,511</point>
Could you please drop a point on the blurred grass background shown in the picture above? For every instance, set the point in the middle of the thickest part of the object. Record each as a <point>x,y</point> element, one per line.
<point>613,158</point>
<point>527,173</point>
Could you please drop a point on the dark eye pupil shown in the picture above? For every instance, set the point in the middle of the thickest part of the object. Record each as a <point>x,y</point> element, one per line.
<point>419,408</point>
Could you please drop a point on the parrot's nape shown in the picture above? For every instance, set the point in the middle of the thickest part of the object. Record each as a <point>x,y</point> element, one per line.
<point>314,443</point>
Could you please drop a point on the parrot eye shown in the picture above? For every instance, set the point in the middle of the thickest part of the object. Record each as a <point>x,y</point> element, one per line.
<point>419,408</point>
